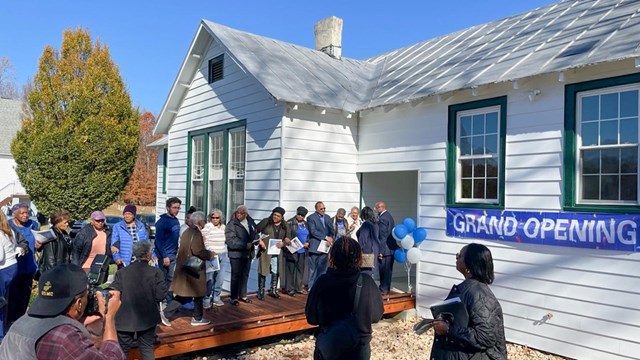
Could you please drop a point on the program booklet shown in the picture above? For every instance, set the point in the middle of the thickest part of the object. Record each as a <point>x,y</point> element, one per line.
<point>452,310</point>
<point>324,247</point>
<point>44,237</point>
<point>295,245</point>
<point>213,264</point>
<point>273,248</point>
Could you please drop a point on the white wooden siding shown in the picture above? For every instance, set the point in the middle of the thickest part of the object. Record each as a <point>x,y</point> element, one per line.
<point>319,160</point>
<point>236,97</point>
<point>160,197</point>
<point>593,295</point>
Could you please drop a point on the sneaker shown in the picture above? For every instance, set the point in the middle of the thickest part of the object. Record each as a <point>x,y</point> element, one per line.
<point>218,303</point>
<point>163,317</point>
<point>206,303</point>
<point>200,322</point>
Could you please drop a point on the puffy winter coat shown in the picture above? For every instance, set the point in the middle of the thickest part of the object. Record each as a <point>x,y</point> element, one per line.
<point>483,338</point>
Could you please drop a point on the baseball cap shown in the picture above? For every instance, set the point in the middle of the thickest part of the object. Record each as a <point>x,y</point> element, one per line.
<point>97,215</point>
<point>57,288</point>
<point>301,210</point>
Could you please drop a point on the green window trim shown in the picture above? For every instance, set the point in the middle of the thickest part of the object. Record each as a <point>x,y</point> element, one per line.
<point>452,160</point>
<point>570,195</point>
<point>225,128</point>
<point>165,163</point>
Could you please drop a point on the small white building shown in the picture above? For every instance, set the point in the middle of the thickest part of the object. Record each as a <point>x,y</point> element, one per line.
<point>11,190</point>
<point>521,134</point>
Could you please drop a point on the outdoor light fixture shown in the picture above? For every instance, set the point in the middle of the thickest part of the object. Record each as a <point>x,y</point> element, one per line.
<point>295,107</point>
<point>324,111</point>
<point>534,93</point>
<point>561,76</point>
<point>515,85</point>
<point>638,62</point>
<point>474,91</point>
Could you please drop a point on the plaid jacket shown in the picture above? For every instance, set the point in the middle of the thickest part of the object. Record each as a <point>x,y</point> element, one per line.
<point>67,343</point>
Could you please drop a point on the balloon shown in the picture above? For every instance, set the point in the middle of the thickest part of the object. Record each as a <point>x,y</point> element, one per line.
<point>413,255</point>
<point>419,235</point>
<point>407,242</point>
<point>399,232</point>
<point>409,223</point>
<point>400,255</point>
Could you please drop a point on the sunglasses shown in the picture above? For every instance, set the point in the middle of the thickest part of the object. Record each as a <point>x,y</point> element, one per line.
<point>215,217</point>
<point>321,209</point>
<point>100,221</point>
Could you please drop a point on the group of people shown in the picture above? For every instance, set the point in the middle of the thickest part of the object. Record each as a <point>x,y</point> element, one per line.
<point>337,257</point>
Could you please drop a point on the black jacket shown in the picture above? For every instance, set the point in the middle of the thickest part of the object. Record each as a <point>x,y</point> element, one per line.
<point>387,242</point>
<point>237,238</point>
<point>331,299</point>
<point>83,241</point>
<point>55,252</point>
<point>483,338</point>
<point>142,287</point>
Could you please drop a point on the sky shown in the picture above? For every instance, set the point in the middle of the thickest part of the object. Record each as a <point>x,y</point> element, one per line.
<point>148,40</point>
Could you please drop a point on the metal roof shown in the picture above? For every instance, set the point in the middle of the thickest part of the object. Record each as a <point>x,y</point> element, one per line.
<point>557,37</point>
<point>297,74</point>
<point>10,123</point>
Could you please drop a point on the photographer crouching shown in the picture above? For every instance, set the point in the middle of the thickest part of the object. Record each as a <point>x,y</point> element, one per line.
<point>51,328</point>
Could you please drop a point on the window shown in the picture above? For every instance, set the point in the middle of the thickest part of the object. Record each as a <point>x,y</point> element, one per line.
<point>475,161</point>
<point>601,139</point>
<point>165,165</point>
<point>217,160</point>
<point>216,68</point>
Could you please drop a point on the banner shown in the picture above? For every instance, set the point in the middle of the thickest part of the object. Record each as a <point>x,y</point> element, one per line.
<point>592,231</point>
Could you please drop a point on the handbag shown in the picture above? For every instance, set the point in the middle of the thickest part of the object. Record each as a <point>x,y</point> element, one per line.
<point>342,336</point>
<point>193,264</point>
<point>368,261</point>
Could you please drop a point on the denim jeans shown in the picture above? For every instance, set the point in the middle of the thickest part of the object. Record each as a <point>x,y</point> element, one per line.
<point>168,276</point>
<point>216,278</point>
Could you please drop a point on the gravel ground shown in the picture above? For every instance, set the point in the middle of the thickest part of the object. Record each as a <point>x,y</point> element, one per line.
<point>392,339</point>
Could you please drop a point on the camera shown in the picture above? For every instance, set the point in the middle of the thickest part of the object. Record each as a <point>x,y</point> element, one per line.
<point>96,277</point>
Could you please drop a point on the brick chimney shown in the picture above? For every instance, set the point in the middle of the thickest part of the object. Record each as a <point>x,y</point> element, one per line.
<point>329,36</point>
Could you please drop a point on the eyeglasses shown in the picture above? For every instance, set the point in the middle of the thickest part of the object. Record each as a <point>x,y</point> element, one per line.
<point>321,209</point>
<point>215,217</point>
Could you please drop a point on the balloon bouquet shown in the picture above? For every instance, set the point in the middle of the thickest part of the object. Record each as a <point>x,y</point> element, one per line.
<point>408,237</point>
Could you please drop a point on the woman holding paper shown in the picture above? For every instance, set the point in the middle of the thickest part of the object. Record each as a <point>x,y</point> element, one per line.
<point>483,336</point>
<point>277,229</point>
<point>296,261</point>
<point>213,234</point>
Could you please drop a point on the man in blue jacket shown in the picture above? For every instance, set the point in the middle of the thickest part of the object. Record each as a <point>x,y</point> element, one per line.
<point>320,229</point>
<point>387,246</point>
<point>167,240</point>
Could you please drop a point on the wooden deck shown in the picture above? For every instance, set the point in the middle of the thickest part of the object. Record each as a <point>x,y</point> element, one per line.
<point>236,324</point>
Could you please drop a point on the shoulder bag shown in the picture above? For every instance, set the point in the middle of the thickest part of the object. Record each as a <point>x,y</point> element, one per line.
<point>193,264</point>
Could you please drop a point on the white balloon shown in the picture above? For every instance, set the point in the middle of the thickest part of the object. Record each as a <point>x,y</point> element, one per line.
<point>413,255</point>
<point>407,242</point>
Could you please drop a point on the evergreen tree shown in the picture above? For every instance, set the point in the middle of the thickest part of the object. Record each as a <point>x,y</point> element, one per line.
<point>79,140</point>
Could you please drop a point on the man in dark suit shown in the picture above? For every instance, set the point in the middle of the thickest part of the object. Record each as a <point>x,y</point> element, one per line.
<point>387,246</point>
<point>320,229</point>
<point>143,288</point>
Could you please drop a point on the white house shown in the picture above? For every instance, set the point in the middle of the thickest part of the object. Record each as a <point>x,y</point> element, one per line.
<point>11,190</point>
<point>521,134</point>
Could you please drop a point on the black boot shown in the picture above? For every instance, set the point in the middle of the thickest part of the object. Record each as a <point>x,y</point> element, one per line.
<point>261,281</point>
<point>273,292</point>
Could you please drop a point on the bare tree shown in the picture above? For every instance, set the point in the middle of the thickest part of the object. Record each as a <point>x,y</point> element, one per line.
<point>8,88</point>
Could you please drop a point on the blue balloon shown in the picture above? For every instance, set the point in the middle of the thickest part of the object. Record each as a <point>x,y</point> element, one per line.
<point>400,231</point>
<point>419,235</point>
<point>409,223</point>
<point>400,255</point>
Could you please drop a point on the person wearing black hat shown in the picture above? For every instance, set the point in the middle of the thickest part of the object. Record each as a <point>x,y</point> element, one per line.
<point>124,234</point>
<point>277,229</point>
<point>51,328</point>
<point>294,263</point>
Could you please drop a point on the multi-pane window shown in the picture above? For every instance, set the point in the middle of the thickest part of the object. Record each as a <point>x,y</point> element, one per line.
<point>197,172</point>
<point>607,146</point>
<point>217,166</point>
<point>478,155</point>
<point>475,153</point>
